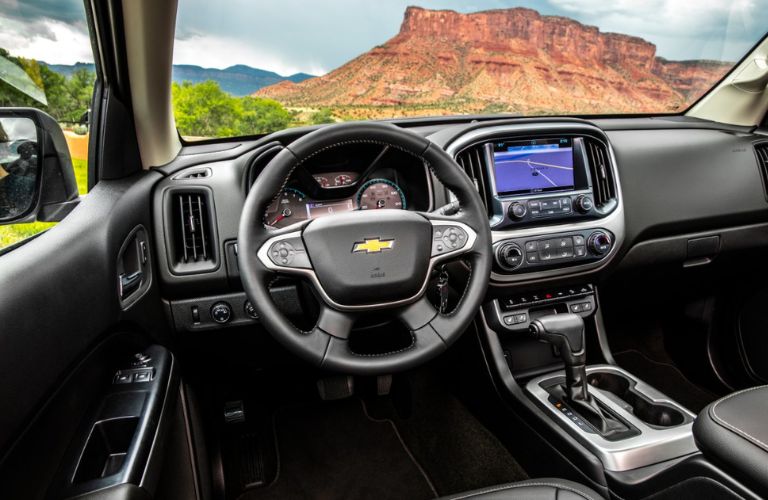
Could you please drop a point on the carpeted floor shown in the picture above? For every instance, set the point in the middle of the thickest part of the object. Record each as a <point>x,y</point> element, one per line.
<point>333,450</point>
<point>666,378</point>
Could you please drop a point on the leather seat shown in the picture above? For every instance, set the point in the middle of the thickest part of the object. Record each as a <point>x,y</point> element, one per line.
<point>733,433</point>
<point>532,489</point>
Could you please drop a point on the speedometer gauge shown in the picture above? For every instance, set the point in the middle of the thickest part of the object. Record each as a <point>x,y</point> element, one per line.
<point>380,193</point>
<point>288,208</point>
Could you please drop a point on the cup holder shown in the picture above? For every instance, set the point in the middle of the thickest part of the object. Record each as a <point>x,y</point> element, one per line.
<point>659,415</point>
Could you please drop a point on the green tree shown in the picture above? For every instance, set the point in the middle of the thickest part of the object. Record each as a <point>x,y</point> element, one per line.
<point>262,116</point>
<point>68,98</point>
<point>203,109</point>
<point>325,115</point>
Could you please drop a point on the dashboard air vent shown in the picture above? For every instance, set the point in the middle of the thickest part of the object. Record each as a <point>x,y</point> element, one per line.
<point>761,150</point>
<point>472,160</point>
<point>193,237</point>
<point>199,173</point>
<point>603,184</point>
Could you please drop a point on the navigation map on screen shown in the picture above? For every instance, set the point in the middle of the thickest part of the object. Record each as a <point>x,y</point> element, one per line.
<point>533,166</point>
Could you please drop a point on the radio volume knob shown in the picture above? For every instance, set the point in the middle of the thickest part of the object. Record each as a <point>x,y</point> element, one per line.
<point>583,204</point>
<point>599,243</point>
<point>517,210</point>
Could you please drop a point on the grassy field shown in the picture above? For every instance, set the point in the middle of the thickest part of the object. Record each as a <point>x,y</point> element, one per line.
<point>17,232</point>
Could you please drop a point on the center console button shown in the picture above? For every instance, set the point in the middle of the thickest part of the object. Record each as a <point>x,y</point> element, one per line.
<point>578,240</point>
<point>579,251</point>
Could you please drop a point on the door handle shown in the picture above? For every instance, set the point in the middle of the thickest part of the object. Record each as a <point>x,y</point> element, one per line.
<point>129,283</point>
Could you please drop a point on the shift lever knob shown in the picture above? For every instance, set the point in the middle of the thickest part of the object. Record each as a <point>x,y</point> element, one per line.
<point>566,331</point>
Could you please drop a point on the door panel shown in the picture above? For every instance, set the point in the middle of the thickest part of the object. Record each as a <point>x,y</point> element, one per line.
<point>64,328</point>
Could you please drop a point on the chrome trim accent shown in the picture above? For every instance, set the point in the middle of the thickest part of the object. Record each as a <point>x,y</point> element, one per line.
<point>613,222</point>
<point>263,255</point>
<point>652,446</point>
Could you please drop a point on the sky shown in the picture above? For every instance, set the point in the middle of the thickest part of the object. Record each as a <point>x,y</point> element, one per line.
<point>316,36</point>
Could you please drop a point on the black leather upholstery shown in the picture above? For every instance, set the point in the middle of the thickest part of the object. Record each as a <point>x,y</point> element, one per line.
<point>733,432</point>
<point>533,489</point>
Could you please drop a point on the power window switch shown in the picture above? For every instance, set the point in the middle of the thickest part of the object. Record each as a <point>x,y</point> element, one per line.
<point>142,376</point>
<point>122,378</point>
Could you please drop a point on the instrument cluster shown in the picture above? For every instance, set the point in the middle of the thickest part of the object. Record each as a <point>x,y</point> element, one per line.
<point>292,205</point>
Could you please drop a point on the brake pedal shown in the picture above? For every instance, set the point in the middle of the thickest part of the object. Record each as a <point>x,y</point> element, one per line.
<point>333,388</point>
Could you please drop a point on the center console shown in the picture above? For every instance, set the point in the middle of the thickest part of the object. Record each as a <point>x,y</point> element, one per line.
<point>552,193</point>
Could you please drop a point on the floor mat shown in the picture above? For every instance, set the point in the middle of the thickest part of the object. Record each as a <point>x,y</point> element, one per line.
<point>333,450</point>
<point>457,452</point>
<point>666,378</point>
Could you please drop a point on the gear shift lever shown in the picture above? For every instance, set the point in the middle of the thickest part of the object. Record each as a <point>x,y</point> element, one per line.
<point>566,331</point>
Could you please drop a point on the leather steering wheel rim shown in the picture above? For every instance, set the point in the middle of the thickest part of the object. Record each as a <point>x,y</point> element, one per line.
<point>326,344</point>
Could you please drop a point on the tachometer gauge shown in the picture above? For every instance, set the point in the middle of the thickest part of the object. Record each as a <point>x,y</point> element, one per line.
<point>342,180</point>
<point>380,193</point>
<point>288,208</point>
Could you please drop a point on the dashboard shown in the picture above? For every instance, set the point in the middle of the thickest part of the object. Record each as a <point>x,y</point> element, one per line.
<point>568,200</point>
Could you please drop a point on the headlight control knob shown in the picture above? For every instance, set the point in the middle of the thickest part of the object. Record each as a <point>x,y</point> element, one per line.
<point>221,312</point>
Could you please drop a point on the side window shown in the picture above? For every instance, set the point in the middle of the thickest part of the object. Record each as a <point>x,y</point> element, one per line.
<point>45,63</point>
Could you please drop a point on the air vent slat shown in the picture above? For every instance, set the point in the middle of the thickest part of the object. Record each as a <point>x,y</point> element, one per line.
<point>603,184</point>
<point>472,161</point>
<point>761,149</point>
<point>192,222</point>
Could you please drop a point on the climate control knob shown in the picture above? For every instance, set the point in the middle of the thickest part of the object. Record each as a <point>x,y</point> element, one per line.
<point>517,210</point>
<point>583,204</point>
<point>599,243</point>
<point>509,256</point>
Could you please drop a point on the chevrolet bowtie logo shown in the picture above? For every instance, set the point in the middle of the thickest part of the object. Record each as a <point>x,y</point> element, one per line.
<point>374,245</point>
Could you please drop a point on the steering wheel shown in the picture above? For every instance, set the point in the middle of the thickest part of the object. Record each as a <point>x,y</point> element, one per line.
<point>365,260</point>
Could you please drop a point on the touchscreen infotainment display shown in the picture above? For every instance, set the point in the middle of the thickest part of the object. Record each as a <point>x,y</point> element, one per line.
<point>533,166</point>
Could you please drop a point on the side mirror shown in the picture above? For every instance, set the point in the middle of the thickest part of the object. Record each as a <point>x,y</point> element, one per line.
<point>37,180</point>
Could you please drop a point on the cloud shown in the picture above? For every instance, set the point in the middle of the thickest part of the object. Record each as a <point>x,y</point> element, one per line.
<point>46,40</point>
<point>211,51</point>
<point>711,29</point>
<point>66,11</point>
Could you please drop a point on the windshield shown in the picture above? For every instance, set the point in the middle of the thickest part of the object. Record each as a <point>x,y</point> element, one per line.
<point>246,68</point>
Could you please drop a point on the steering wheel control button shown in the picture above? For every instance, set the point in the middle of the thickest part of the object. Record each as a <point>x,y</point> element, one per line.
<point>289,252</point>
<point>447,239</point>
<point>221,312</point>
<point>250,311</point>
